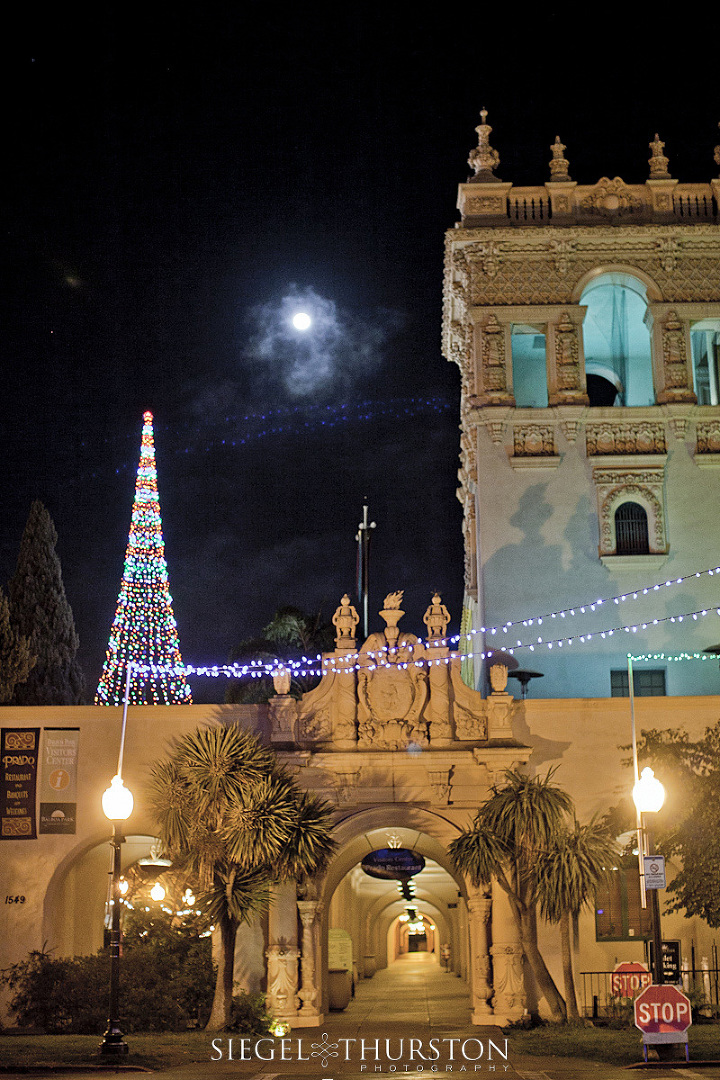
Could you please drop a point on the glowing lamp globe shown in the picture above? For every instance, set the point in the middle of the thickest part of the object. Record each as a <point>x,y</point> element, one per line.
<point>157,892</point>
<point>648,794</point>
<point>302,321</point>
<point>117,801</point>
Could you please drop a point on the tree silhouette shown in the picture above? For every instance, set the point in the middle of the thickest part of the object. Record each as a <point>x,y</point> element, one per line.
<point>40,612</point>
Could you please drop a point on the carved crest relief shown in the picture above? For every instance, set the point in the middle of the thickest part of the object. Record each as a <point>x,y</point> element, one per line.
<point>640,438</point>
<point>391,697</point>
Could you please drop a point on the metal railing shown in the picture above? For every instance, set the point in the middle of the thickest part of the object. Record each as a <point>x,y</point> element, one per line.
<point>702,984</point>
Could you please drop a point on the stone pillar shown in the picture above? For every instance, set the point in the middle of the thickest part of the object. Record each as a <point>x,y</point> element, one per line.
<point>345,722</point>
<point>509,998</point>
<point>282,711</point>
<point>493,362</point>
<point>671,354</point>
<point>480,975</point>
<point>282,982</point>
<point>282,954</point>
<point>438,709</point>
<point>309,965</point>
<point>565,358</point>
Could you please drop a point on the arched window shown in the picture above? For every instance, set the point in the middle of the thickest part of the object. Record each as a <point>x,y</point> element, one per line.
<point>617,341</point>
<point>631,530</point>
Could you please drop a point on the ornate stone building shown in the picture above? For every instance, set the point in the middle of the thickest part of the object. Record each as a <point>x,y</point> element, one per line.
<point>405,750</point>
<point>585,321</point>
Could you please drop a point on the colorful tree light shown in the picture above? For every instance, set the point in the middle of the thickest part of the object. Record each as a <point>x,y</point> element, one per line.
<point>144,630</point>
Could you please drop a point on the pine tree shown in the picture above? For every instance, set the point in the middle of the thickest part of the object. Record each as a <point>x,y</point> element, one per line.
<point>40,612</point>
<point>144,630</point>
<point>16,660</point>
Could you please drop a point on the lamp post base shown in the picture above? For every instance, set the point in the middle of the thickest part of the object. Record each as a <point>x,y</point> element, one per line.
<point>113,1044</point>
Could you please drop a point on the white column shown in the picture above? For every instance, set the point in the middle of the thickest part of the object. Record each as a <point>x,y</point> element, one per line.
<point>480,979</point>
<point>509,1000</point>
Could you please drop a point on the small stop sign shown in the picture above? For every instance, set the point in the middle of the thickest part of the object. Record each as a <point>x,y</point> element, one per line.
<point>662,1010</point>
<point>628,978</point>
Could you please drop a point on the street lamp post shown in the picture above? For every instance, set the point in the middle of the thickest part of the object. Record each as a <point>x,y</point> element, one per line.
<point>648,796</point>
<point>117,804</point>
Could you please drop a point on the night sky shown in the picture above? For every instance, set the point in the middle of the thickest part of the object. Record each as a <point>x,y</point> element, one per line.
<point>175,185</point>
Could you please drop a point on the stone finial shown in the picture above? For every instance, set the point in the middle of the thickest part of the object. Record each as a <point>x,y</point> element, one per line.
<point>658,162</point>
<point>436,618</point>
<point>483,159</point>
<point>716,154</point>
<point>345,620</point>
<point>281,681</point>
<point>391,615</point>
<point>559,164</point>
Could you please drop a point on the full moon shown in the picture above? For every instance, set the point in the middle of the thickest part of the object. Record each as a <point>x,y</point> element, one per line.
<point>302,321</point>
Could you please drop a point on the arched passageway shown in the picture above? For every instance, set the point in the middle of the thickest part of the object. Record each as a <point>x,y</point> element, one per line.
<point>411,993</point>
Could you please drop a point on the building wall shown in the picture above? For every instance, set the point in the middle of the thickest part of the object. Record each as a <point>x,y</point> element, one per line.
<point>530,281</point>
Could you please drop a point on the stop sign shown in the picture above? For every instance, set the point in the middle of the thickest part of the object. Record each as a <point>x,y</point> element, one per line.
<point>662,1010</point>
<point>628,978</point>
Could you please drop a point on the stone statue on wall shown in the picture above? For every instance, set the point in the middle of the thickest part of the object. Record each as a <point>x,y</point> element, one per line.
<point>345,620</point>
<point>436,618</point>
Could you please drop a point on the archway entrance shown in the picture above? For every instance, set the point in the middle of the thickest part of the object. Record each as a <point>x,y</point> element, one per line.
<point>380,922</point>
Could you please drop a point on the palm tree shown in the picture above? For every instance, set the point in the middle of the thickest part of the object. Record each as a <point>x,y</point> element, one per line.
<point>569,872</point>
<point>291,634</point>
<point>518,822</point>
<point>231,817</point>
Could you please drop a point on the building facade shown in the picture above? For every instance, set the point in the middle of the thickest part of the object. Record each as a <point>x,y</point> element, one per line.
<point>585,320</point>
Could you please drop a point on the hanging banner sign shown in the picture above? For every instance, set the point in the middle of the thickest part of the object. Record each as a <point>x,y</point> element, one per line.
<point>396,864</point>
<point>18,782</point>
<point>58,780</point>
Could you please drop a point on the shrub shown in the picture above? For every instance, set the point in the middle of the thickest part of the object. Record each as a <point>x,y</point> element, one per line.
<point>249,1015</point>
<point>165,985</point>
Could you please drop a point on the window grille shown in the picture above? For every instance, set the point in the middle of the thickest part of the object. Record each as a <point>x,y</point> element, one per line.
<point>631,530</point>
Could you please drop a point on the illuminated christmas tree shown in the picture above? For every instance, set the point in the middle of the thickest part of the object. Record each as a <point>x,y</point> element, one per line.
<point>144,630</point>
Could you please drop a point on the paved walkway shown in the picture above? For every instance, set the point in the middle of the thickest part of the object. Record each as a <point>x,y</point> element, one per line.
<point>392,1020</point>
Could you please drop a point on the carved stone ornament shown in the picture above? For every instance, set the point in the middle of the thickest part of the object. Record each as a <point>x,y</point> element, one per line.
<point>469,726</point>
<point>494,375</point>
<point>563,252</point>
<point>316,709</point>
<point>345,620</point>
<point>496,431</point>
<point>611,197</point>
<point>346,783</point>
<point>282,712</point>
<point>570,429</point>
<point>658,162</point>
<point>392,688</point>
<point>487,257</point>
<point>436,618</point>
<point>625,438</point>
<point>644,486</point>
<point>669,250</point>
<point>281,681</point>
<point>559,164</point>
<point>533,440</point>
<point>509,983</point>
<point>674,353</point>
<point>282,979</point>
<point>440,784</point>
<point>708,437</point>
<point>483,160</point>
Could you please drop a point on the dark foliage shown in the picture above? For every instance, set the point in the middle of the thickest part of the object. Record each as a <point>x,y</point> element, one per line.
<point>166,985</point>
<point>291,634</point>
<point>16,660</point>
<point>40,612</point>
<point>685,829</point>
